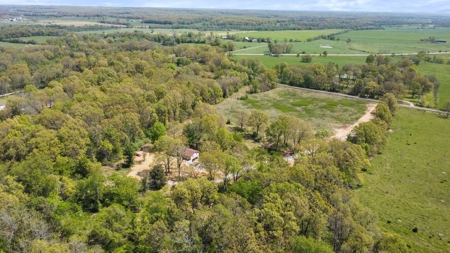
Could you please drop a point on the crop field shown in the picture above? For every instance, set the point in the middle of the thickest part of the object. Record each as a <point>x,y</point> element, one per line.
<point>408,184</point>
<point>270,61</point>
<point>322,111</point>
<point>301,35</point>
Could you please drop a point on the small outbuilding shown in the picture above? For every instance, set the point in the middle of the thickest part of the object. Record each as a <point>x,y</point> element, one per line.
<point>441,41</point>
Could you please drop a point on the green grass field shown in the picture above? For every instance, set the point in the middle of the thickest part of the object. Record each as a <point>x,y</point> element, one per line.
<point>15,45</point>
<point>270,61</point>
<point>397,39</point>
<point>408,184</point>
<point>313,47</point>
<point>301,35</point>
<point>322,111</point>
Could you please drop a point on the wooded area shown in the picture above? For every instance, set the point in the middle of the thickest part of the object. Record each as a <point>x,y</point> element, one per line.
<point>89,102</point>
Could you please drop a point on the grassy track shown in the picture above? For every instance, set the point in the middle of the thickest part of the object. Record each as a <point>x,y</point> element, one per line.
<point>408,184</point>
<point>320,110</point>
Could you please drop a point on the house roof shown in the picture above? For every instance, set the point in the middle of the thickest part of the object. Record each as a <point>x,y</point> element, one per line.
<point>188,153</point>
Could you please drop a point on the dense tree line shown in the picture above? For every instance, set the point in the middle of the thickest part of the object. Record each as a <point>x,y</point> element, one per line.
<point>209,20</point>
<point>10,32</point>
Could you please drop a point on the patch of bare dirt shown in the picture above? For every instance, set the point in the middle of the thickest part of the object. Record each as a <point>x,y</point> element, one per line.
<point>140,164</point>
<point>342,132</point>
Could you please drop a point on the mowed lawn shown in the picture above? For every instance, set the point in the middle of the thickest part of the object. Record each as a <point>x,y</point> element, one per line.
<point>408,185</point>
<point>322,111</point>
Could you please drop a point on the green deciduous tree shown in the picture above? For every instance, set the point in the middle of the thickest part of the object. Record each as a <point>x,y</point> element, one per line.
<point>258,119</point>
<point>391,102</point>
<point>156,131</point>
<point>156,178</point>
<point>382,112</point>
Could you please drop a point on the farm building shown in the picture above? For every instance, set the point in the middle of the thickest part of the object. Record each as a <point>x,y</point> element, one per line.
<point>441,41</point>
<point>190,155</point>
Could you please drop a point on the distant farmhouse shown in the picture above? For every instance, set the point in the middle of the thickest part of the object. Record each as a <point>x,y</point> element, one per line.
<point>16,19</point>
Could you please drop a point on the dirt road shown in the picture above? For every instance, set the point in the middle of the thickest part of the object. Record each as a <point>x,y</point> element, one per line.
<point>345,130</point>
<point>140,164</point>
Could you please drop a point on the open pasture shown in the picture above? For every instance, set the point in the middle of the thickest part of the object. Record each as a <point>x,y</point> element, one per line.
<point>404,39</point>
<point>280,36</point>
<point>322,111</point>
<point>408,184</point>
<point>442,72</point>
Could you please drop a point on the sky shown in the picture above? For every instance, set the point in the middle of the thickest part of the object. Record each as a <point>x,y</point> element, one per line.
<point>441,6</point>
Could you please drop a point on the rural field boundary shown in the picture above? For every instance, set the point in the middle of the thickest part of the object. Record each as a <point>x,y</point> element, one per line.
<point>409,105</point>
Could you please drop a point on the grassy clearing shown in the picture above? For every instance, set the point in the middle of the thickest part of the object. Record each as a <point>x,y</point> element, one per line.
<point>270,61</point>
<point>322,111</point>
<point>15,45</point>
<point>408,184</point>
<point>3,100</point>
<point>38,39</point>
<point>301,35</point>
